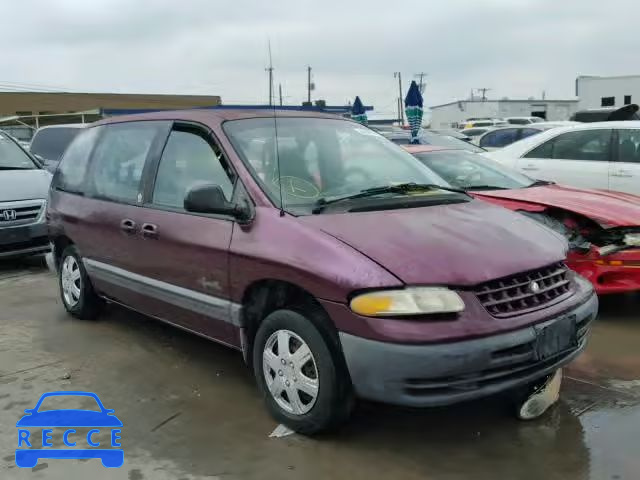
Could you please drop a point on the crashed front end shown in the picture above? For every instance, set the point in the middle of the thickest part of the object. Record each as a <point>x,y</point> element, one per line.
<point>612,261</point>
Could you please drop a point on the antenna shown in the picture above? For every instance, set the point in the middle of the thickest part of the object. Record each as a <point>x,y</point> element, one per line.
<point>270,70</point>
<point>275,129</point>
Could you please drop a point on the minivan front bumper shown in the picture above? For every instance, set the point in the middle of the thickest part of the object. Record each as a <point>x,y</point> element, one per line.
<point>447,373</point>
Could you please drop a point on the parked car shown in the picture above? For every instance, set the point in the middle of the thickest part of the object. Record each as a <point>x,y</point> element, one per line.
<point>49,143</point>
<point>502,136</point>
<point>607,114</point>
<point>337,263</point>
<point>523,120</point>
<point>602,155</point>
<point>487,122</point>
<point>603,229</point>
<point>475,133</point>
<point>24,185</point>
<point>430,138</point>
<point>450,132</point>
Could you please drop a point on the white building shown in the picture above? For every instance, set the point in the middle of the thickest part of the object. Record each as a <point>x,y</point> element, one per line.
<point>451,114</point>
<point>597,92</point>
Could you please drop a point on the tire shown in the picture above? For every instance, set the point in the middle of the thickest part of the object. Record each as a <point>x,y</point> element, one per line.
<point>81,302</point>
<point>333,402</point>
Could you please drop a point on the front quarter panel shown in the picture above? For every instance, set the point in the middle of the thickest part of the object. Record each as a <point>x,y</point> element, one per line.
<point>278,247</point>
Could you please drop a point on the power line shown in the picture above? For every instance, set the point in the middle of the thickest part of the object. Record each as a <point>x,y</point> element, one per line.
<point>484,91</point>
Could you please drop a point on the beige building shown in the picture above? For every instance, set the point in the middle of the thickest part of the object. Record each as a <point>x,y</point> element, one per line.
<point>35,109</point>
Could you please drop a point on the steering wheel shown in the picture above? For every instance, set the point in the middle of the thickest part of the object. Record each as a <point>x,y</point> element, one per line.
<point>356,175</point>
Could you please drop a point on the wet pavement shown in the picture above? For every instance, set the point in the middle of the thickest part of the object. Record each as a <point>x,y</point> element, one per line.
<point>190,409</point>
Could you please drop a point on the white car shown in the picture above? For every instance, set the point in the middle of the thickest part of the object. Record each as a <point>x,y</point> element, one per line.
<point>523,120</point>
<point>604,155</point>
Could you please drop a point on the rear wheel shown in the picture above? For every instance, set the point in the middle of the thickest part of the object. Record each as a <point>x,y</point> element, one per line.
<point>76,291</point>
<point>303,383</point>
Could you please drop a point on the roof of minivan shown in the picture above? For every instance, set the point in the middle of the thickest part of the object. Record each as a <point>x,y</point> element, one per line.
<point>218,114</point>
<point>64,125</point>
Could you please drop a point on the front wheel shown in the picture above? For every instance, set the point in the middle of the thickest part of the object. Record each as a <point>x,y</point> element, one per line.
<point>302,381</point>
<point>76,290</point>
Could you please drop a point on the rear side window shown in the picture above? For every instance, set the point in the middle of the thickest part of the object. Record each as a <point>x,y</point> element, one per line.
<point>583,145</point>
<point>518,121</point>
<point>591,145</point>
<point>541,151</point>
<point>629,146</point>
<point>528,132</point>
<point>73,167</point>
<point>189,160</point>
<point>499,138</point>
<point>50,143</point>
<point>119,159</point>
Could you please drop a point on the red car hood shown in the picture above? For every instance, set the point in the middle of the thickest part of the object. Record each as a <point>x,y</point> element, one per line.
<point>609,209</point>
<point>462,244</point>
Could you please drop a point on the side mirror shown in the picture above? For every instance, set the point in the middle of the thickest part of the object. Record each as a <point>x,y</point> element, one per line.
<point>210,199</point>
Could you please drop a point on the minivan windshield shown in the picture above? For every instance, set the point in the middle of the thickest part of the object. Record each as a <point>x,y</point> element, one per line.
<point>12,157</point>
<point>322,159</point>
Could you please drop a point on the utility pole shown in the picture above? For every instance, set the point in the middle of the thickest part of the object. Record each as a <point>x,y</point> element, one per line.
<point>270,70</point>
<point>398,75</point>
<point>280,92</point>
<point>309,84</point>
<point>420,76</point>
<point>484,93</point>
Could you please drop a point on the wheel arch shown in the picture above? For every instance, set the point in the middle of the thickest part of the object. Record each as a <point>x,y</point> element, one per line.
<point>265,296</point>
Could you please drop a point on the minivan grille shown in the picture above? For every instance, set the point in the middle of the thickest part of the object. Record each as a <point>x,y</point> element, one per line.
<point>525,291</point>
<point>21,212</point>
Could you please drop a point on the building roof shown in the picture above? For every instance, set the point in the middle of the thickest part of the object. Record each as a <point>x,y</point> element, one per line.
<point>508,100</point>
<point>15,102</point>
<point>606,77</point>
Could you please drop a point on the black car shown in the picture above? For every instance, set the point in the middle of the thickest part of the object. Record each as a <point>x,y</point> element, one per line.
<point>49,143</point>
<point>628,112</point>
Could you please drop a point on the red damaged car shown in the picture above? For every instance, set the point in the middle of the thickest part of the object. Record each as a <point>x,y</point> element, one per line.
<point>603,228</point>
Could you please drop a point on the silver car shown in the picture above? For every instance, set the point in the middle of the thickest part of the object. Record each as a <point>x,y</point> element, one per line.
<point>24,185</point>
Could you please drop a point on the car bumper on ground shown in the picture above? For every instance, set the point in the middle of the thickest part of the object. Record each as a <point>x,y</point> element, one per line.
<point>447,373</point>
<point>23,240</point>
<point>615,273</point>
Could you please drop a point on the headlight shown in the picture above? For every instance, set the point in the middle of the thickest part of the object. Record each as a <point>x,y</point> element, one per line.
<point>632,239</point>
<point>409,301</point>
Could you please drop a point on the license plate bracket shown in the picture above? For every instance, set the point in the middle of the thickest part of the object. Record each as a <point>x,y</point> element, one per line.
<point>14,235</point>
<point>556,337</point>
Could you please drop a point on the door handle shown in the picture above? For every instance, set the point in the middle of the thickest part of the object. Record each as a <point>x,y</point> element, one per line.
<point>149,230</point>
<point>530,167</point>
<point>128,226</point>
<point>622,173</point>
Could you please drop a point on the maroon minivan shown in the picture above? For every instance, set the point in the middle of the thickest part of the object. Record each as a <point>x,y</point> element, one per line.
<point>337,263</point>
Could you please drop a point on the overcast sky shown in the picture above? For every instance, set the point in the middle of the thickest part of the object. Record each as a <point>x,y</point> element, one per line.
<point>518,48</point>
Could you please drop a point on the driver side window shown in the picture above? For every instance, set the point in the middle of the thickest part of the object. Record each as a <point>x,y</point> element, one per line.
<point>189,160</point>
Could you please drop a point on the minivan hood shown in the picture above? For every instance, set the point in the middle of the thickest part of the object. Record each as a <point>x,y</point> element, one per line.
<point>23,184</point>
<point>462,244</point>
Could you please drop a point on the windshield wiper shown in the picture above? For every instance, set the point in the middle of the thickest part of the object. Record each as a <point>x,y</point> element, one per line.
<point>404,188</point>
<point>541,183</point>
<point>14,168</point>
<point>485,187</point>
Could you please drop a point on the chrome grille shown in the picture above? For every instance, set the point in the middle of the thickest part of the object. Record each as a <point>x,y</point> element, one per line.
<point>525,291</point>
<point>23,212</point>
